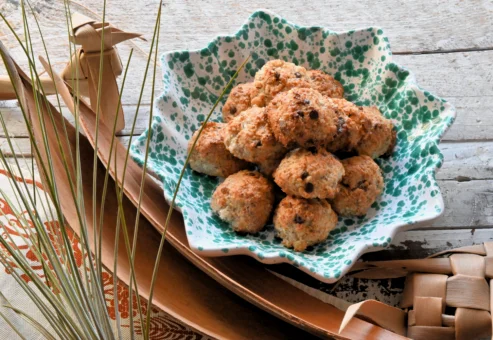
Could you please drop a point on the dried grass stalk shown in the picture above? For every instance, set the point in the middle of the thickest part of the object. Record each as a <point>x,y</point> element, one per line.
<point>472,324</point>
<point>468,291</point>
<point>467,264</point>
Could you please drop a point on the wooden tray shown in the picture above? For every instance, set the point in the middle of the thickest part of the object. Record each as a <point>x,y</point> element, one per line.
<point>182,291</point>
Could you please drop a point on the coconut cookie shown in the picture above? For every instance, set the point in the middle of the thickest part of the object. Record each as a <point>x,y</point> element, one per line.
<point>325,84</point>
<point>210,156</point>
<point>302,223</point>
<point>302,117</point>
<point>239,99</point>
<point>359,188</point>
<point>378,136</point>
<point>244,200</point>
<point>350,125</point>
<point>313,173</point>
<point>249,137</point>
<point>278,76</point>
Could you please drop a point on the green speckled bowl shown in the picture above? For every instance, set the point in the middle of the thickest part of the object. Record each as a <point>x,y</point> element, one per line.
<point>362,61</point>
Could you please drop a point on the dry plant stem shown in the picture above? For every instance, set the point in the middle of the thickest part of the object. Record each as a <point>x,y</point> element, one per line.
<point>106,177</point>
<point>80,292</point>
<point>70,105</point>
<point>55,198</point>
<point>31,59</point>
<point>78,174</point>
<point>98,110</point>
<point>64,92</point>
<point>144,170</point>
<point>175,193</point>
<point>48,246</point>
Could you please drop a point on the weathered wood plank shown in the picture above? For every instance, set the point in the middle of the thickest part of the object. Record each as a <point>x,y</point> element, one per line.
<point>15,123</point>
<point>421,243</point>
<point>466,161</point>
<point>412,26</point>
<point>465,79</point>
<point>468,204</point>
<point>462,161</point>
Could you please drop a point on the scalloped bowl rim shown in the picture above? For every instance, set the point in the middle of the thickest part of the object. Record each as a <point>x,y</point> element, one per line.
<point>449,111</point>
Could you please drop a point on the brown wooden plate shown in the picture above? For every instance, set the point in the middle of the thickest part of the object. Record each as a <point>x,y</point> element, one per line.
<point>182,291</point>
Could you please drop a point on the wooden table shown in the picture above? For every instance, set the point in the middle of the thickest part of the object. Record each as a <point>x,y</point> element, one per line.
<point>448,45</point>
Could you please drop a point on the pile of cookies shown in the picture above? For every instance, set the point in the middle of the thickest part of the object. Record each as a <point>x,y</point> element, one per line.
<point>289,123</point>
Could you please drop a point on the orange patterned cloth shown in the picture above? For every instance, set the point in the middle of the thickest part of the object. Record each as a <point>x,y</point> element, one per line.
<point>163,326</point>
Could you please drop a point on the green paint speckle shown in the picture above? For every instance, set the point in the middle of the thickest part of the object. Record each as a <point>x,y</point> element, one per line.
<point>361,61</point>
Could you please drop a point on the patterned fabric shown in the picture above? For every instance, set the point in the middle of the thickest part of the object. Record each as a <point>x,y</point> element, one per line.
<point>163,326</point>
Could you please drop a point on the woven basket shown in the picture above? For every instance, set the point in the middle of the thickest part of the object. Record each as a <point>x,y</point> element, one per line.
<point>446,296</point>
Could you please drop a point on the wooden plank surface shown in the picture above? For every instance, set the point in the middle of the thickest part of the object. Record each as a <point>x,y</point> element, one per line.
<point>412,26</point>
<point>448,45</point>
<point>465,79</point>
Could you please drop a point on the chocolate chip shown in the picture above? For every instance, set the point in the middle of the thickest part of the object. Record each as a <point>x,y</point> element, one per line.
<point>300,113</point>
<point>310,142</point>
<point>258,144</point>
<point>344,184</point>
<point>297,75</point>
<point>304,175</point>
<point>309,187</point>
<point>277,75</point>
<point>314,114</point>
<point>233,110</point>
<point>298,219</point>
<point>306,101</point>
<point>362,184</point>
<point>312,149</point>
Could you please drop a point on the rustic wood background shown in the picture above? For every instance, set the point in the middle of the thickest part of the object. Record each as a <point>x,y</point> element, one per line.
<point>448,45</point>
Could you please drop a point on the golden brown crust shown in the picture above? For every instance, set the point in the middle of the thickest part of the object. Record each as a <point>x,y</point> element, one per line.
<point>378,136</point>
<point>278,76</point>
<point>302,117</point>
<point>249,137</point>
<point>268,166</point>
<point>350,125</point>
<point>302,223</point>
<point>210,156</point>
<point>309,173</point>
<point>244,200</point>
<point>239,99</point>
<point>359,188</point>
<point>325,84</point>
